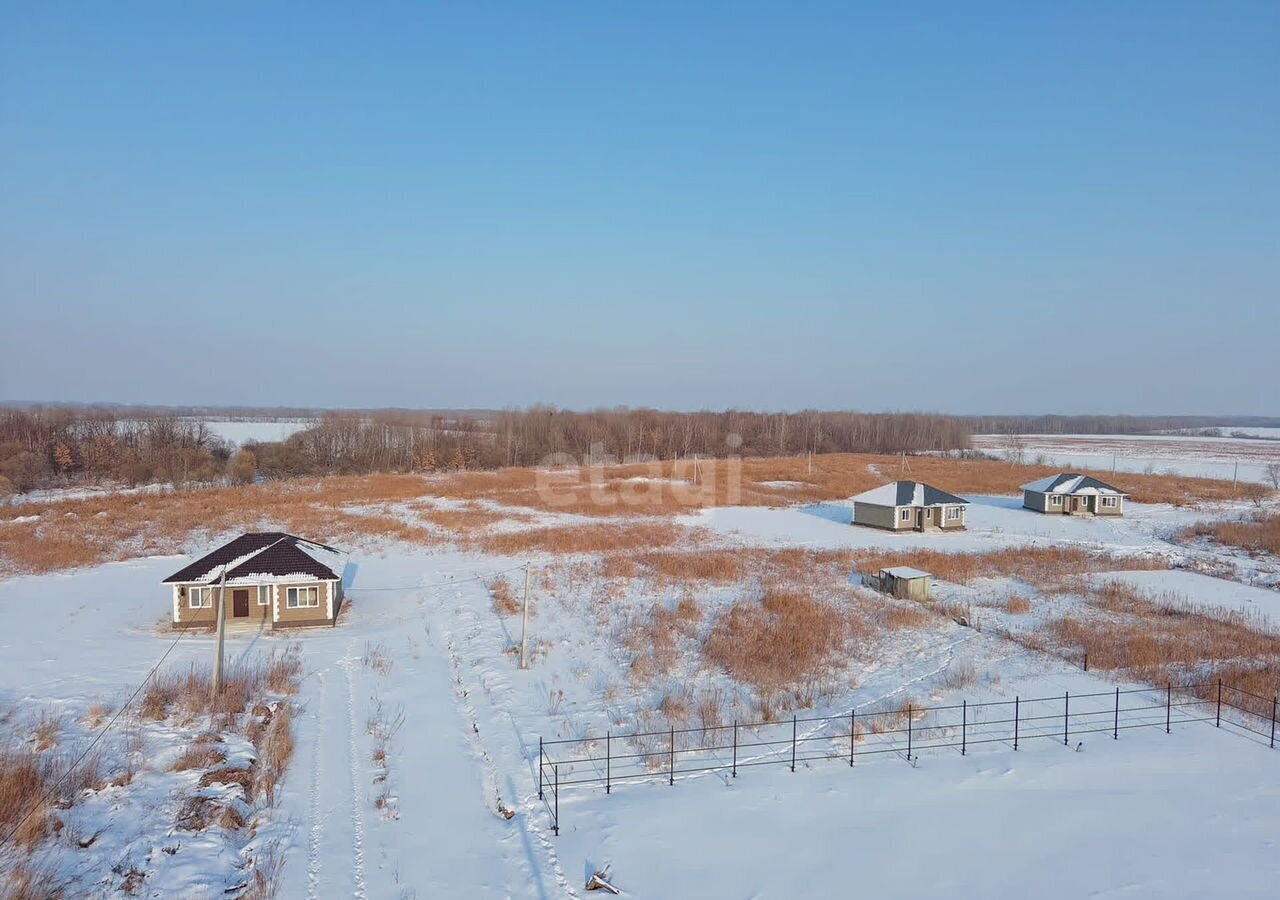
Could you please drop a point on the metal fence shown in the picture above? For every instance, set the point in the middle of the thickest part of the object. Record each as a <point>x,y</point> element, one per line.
<point>603,761</point>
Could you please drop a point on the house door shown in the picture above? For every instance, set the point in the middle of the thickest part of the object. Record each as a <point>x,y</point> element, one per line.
<point>920,520</point>
<point>239,604</point>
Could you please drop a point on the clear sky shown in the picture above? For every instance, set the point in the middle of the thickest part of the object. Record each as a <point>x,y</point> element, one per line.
<point>966,207</point>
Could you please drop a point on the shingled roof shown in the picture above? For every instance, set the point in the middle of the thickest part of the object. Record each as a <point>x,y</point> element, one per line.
<point>907,493</point>
<point>1071,483</point>
<point>260,556</point>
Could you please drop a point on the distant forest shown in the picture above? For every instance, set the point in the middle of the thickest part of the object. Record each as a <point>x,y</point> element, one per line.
<point>1051,424</point>
<point>43,447</point>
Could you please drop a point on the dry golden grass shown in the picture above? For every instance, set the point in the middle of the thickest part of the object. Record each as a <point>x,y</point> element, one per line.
<point>188,693</point>
<point>585,539</point>
<point>85,532</point>
<point>1017,605</point>
<point>275,750</point>
<point>1159,638</point>
<point>780,642</point>
<point>23,882</point>
<point>709,565</point>
<point>46,732</point>
<point>24,778</point>
<point>1046,567</point>
<point>202,753</point>
<point>504,598</point>
<point>653,638</point>
<point>1260,535</point>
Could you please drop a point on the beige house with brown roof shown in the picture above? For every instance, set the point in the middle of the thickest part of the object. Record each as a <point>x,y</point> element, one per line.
<point>270,578</point>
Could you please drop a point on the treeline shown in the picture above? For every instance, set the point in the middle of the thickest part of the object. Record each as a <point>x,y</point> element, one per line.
<point>406,441</point>
<point>1051,424</point>
<point>47,447</point>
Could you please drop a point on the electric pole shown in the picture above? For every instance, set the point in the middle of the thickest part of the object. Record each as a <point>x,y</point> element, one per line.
<point>222,626</point>
<point>524,620</point>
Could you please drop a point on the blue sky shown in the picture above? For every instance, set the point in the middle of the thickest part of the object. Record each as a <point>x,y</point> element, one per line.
<point>959,207</point>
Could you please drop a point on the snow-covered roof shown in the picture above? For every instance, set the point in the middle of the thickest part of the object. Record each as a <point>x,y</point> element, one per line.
<point>1071,483</point>
<point>264,556</point>
<point>907,493</point>
<point>906,572</point>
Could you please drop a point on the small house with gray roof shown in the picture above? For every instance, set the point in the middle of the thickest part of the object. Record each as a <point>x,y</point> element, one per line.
<point>1070,494</point>
<point>269,577</point>
<point>910,506</point>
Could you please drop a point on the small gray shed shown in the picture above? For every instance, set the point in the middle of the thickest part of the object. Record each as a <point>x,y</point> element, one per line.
<point>905,583</point>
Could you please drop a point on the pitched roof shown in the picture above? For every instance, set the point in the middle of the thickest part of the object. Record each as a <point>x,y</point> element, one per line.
<point>906,572</point>
<point>1071,483</point>
<point>262,555</point>
<point>907,493</point>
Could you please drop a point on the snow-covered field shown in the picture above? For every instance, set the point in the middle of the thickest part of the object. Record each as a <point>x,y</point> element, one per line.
<point>1190,814</point>
<point>238,433</point>
<point>1164,454</point>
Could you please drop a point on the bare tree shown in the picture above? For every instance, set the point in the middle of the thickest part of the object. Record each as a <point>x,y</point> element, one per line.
<point>1273,474</point>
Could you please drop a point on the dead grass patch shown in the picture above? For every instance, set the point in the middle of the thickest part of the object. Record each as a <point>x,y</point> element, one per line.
<point>202,753</point>
<point>504,598</point>
<point>781,641</point>
<point>1017,605</point>
<point>585,539</point>
<point>1049,568</point>
<point>1261,534</point>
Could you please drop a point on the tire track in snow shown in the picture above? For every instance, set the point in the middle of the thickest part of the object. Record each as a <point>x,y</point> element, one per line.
<point>357,819</point>
<point>314,856</point>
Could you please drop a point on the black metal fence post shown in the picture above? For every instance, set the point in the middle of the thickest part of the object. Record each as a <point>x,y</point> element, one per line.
<point>671,771</point>
<point>1168,705</point>
<point>853,730</point>
<point>1115,728</point>
<point>1273,723</point>
<point>964,724</point>
<point>908,732</point>
<point>735,748</point>
<point>1086,660</point>
<point>556,826</point>
<point>1066,713</point>
<point>1217,721</point>
<point>793,742</point>
<point>540,758</point>
<point>608,762</point>
<point>1015,723</point>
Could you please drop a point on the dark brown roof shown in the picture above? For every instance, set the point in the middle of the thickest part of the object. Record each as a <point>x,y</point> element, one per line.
<point>283,558</point>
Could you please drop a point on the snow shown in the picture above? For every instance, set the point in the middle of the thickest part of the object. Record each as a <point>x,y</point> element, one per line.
<point>992,522</point>
<point>1204,590</point>
<point>259,431</point>
<point>1117,818</point>
<point>1222,458</point>
<point>907,572</point>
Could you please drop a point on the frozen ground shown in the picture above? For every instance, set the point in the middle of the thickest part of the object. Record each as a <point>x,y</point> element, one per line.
<point>1165,454</point>
<point>1189,814</point>
<point>238,433</point>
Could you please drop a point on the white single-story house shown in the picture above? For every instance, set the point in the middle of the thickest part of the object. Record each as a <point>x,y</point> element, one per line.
<point>270,576</point>
<point>909,506</point>
<point>1069,494</point>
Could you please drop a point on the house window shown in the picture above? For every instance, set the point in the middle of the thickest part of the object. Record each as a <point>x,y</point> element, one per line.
<point>954,512</point>
<point>264,595</point>
<point>200,598</point>
<point>299,598</point>
<point>1108,501</point>
<point>1055,499</point>
<point>906,515</point>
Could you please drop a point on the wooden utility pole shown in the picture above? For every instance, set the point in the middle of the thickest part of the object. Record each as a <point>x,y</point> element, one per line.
<point>222,628</point>
<point>1235,475</point>
<point>524,620</point>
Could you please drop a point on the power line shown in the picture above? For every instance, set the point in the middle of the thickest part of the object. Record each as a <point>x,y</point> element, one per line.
<point>107,727</point>
<point>101,734</point>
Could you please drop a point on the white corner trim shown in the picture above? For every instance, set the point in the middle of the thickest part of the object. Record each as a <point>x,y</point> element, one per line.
<point>176,614</point>
<point>333,586</point>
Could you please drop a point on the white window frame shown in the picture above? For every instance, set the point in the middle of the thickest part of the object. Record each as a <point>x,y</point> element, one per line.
<point>905,516</point>
<point>1110,501</point>
<point>294,597</point>
<point>1055,499</point>
<point>265,592</point>
<point>954,512</point>
<point>200,598</point>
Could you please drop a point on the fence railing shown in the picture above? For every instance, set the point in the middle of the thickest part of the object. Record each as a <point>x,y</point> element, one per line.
<point>606,760</point>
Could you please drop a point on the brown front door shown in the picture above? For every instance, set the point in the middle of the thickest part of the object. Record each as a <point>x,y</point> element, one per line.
<point>239,604</point>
